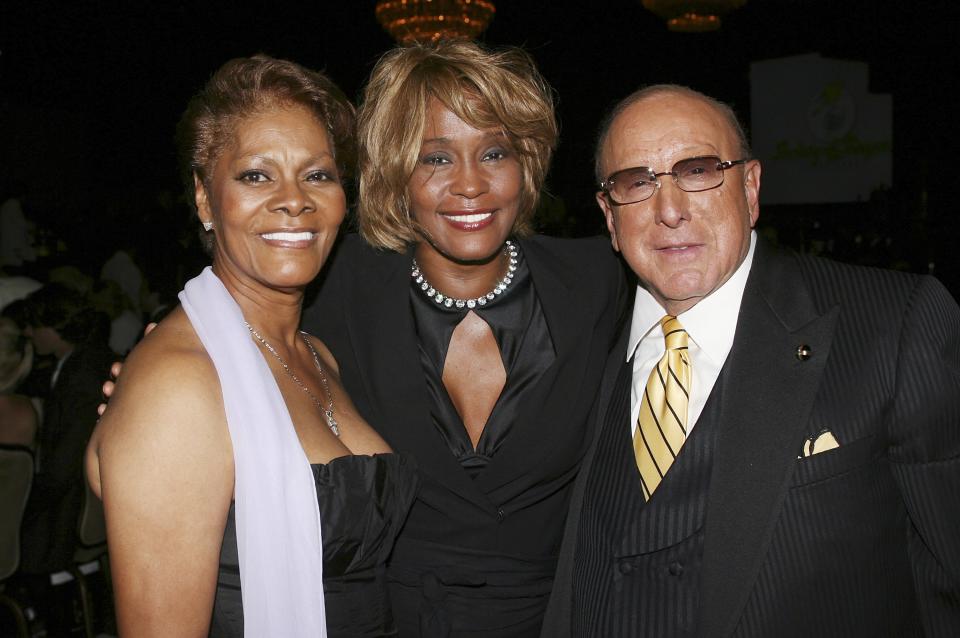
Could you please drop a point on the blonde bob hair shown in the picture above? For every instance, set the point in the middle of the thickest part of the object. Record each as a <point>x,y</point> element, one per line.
<point>487,89</point>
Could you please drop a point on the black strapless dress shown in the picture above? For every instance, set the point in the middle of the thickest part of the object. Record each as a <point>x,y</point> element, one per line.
<point>363,503</point>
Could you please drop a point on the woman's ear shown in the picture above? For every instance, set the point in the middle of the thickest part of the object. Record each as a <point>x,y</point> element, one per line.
<point>203,203</point>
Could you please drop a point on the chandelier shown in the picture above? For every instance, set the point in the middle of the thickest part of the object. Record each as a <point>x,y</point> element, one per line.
<point>410,21</point>
<point>692,16</point>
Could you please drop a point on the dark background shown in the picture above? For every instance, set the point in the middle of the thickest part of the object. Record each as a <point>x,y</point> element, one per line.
<point>90,93</point>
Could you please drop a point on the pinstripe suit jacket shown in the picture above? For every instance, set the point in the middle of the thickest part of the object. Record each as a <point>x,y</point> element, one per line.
<point>862,540</point>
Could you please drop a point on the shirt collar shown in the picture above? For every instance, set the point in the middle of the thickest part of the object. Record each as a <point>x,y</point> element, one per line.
<point>711,322</point>
<point>58,368</point>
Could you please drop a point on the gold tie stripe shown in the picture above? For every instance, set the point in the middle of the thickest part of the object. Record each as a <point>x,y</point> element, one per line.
<point>662,423</point>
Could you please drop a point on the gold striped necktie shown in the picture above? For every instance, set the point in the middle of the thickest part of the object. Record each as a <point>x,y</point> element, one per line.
<point>662,423</point>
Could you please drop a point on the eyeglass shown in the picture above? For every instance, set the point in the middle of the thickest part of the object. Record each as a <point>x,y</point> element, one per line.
<point>632,185</point>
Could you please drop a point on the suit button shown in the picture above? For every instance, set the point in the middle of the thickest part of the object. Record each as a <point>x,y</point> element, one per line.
<point>625,568</point>
<point>675,569</point>
<point>500,514</point>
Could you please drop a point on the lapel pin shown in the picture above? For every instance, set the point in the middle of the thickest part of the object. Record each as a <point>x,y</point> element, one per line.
<point>803,352</point>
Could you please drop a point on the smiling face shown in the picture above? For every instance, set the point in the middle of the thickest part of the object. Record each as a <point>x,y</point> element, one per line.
<point>682,246</point>
<point>275,200</point>
<point>465,191</point>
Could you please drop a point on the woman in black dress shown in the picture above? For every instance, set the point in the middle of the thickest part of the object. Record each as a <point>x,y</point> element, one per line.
<point>468,342</point>
<point>231,446</point>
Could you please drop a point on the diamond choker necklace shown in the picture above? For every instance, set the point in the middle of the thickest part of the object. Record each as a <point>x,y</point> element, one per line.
<point>450,302</point>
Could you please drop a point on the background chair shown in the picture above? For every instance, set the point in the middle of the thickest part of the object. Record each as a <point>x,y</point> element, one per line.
<point>16,477</point>
<point>90,556</point>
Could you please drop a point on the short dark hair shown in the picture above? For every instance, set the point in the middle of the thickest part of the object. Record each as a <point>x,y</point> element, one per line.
<point>67,311</point>
<point>248,86</point>
<point>653,90</point>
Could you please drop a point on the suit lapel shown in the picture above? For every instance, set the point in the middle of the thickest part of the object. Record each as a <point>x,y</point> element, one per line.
<point>557,621</point>
<point>615,360</point>
<point>550,277</point>
<point>384,336</point>
<point>769,393</point>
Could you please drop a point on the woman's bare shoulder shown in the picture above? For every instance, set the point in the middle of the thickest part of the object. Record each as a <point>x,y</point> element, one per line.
<point>172,342</point>
<point>18,420</point>
<point>166,413</point>
<point>168,384</point>
<point>172,356</point>
<point>16,407</point>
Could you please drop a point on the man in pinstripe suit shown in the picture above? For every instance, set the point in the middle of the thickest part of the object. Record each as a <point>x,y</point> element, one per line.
<point>815,487</point>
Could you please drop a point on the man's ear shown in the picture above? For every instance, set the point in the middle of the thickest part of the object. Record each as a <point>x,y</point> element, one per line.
<point>202,200</point>
<point>751,187</point>
<point>607,210</point>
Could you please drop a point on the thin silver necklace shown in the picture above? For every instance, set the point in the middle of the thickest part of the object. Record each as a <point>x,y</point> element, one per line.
<point>432,293</point>
<point>328,411</point>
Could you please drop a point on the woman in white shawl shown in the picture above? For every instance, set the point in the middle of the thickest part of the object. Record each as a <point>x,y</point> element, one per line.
<point>230,437</point>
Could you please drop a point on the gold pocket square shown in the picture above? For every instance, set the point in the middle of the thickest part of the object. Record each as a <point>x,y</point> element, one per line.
<point>819,443</point>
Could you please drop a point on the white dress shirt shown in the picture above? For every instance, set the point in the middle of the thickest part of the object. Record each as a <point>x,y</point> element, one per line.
<point>711,324</point>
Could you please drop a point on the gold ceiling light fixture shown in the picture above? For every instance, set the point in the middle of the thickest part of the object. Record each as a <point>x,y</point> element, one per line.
<point>410,21</point>
<point>692,16</point>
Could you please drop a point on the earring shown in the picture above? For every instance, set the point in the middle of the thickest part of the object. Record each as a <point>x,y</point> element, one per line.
<point>208,226</point>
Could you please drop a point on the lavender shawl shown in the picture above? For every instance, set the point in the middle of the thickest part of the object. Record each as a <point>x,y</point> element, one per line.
<point>277,518</point>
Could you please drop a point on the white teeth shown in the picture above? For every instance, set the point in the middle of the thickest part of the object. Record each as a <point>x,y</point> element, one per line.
<point>469,219</point>
<point>305,236</point>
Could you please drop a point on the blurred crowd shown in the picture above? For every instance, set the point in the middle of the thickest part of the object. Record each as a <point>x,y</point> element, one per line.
<point>61,325</point>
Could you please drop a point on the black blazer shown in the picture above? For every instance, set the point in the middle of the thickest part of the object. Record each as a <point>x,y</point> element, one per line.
<point>860,540</point>
<point>69,416</point>
<point>517,505</point>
